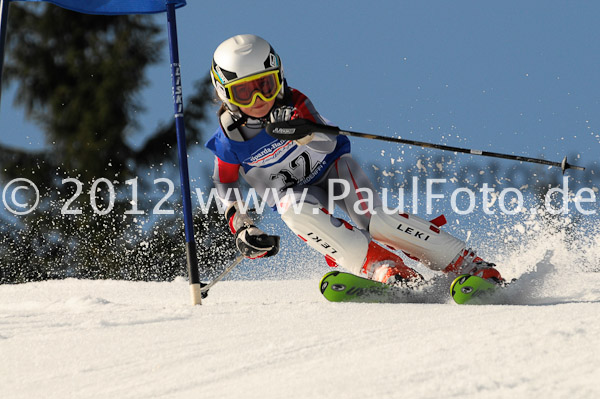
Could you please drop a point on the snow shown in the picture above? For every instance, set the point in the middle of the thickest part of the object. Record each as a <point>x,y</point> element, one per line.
<point>281,339</point>
<point>260,335</point>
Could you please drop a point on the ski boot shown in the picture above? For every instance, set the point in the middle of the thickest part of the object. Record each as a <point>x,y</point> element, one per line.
<point>387,267</point>
<point>467,262</point>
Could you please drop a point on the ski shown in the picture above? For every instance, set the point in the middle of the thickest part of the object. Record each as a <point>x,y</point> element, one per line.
<point>472,290</point>
<point>338,286</point>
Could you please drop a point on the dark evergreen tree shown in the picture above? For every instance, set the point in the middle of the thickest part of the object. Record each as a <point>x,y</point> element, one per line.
<point>79,77</point>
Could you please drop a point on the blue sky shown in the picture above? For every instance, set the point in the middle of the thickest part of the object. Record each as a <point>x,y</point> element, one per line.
<point>519,77</point>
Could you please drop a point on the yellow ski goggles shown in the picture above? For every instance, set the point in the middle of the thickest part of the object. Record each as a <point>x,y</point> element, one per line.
<point>244,92</point>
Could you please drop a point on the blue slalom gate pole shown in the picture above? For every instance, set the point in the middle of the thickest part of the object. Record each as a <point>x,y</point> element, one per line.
<point>190,243</point>
<point>3,23</point>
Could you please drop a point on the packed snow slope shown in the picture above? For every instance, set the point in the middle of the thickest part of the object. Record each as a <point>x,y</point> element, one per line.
<point>281,339</point>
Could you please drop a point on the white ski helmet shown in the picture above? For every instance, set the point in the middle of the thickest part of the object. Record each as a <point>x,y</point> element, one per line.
<point>240,57</point>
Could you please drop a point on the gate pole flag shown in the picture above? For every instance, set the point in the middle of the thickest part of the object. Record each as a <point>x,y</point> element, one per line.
<point>123,7</point>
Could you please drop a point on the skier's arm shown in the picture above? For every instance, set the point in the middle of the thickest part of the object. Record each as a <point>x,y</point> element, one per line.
<point>303,108</point>
<point>225,178</point>
<point>249,239</point>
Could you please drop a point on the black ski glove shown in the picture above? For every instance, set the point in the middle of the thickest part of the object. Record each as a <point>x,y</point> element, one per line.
<point>283,114</point>
<point>254,243</point>
<point>286,114</point>
<point>251,241</point>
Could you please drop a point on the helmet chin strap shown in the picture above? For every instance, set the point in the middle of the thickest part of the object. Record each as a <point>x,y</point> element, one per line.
<point>238,120</point>
<point>241,119</point>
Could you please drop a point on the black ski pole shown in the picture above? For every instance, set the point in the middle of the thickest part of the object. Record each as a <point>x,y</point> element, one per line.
<point>298,128</point>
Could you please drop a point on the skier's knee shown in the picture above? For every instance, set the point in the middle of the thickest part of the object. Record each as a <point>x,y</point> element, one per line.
<point>336,239</point>
<point>415,236</point>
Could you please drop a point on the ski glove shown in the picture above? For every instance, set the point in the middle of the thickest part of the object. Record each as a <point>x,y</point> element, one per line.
<point>250,240</point>
<point>253,243</point>
<point>285,114</point>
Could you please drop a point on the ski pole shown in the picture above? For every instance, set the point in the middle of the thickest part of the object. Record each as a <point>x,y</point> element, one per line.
<point>298,128</point>
<point>224,273</point>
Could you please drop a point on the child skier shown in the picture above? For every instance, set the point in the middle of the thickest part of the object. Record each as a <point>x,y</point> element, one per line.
<point>248,78</point>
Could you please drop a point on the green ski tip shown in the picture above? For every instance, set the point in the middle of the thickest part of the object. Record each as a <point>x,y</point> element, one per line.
<point>469,289</point>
